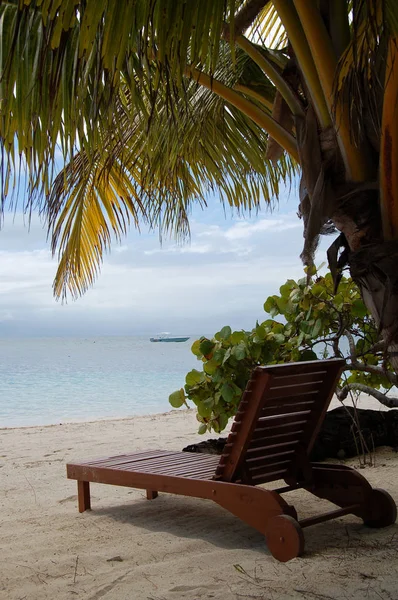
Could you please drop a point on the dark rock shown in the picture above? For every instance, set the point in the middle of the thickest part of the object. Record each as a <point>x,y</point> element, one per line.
<point>345,432</point>
<point>207,447</point>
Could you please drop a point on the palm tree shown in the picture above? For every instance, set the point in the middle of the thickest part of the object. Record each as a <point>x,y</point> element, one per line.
<point>155,102</point>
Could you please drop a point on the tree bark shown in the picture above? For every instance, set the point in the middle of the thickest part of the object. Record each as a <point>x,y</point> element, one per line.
<point>375,270</point>
<point>373,264</point>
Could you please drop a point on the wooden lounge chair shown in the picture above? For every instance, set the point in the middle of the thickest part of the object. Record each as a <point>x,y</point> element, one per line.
<point>278,419</point>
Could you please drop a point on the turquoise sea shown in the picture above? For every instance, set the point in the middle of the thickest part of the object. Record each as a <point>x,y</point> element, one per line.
<point>56,380</point>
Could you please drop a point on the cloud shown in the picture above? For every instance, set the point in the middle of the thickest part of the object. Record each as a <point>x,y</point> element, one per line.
<point>22,233</point>
<point>244,230</point>
<point>5,315</point>
<point>221,277</point>
<point>193,248</point>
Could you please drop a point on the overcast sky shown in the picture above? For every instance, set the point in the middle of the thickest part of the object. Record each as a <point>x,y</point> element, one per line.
<point>222,277</point>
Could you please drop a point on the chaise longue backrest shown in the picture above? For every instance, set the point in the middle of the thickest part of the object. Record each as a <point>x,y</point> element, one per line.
<point>278,420</point>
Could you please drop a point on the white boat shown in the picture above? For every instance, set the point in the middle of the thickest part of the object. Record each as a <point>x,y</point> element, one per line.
<point>166,337</point>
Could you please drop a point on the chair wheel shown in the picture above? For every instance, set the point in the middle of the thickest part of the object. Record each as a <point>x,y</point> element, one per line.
<point>383,510</point>
<point>285,538</point>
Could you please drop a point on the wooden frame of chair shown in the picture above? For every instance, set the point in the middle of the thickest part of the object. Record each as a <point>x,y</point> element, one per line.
<point>271,438</point>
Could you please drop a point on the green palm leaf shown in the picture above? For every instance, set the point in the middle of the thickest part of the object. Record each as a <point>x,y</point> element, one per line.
<point>153,177</point>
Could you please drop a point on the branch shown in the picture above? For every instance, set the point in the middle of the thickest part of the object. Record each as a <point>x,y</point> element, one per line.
<point>358,366</point>
<point>378,347</point>
<point>360,387</point>
<point>351,344</point>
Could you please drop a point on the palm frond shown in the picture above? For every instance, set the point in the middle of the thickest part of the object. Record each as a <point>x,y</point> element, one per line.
<point>361,69</point>
<point>267,29</point>
<point>154,177</point>
<point>61,65</point>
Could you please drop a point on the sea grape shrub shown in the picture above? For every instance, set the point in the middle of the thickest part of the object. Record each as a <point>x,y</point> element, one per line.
<point>228,359</point>
<point>314,323</point>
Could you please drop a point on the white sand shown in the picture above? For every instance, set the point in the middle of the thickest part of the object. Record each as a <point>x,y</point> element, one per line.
<point>172,548</point>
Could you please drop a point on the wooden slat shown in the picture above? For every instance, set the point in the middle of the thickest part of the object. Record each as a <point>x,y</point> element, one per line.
<point>287,401</point>
<point>269,467</point>
<point>295,391</point>
<point>278,420</point>
<point>156,463</point>
<point>191,473</point>
<point>298,368</point>
<point>304,377</point>
<point>287,409</point>
<point>180,458</point>
<point>274,439</point>
<point>275,457</point>
<point>269,449</point>
<point>277,454</point>
<point>284,427</point>
<point>110,460</point>
<point>150,467</point>
<point>178,470</point>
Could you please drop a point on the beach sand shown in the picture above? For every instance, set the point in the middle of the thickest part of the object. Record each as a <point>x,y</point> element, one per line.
<point>172,548</point>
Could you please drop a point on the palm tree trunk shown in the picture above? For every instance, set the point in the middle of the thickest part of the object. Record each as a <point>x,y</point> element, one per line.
<point>374,267</point>
<point>378,285</point>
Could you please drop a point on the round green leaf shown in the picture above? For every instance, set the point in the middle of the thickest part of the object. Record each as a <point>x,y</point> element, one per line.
<point>308,355</point>
<point>239,352</point>
<point>226,356</point>
<point>225,332</point>
<point>269,304</point>
<point>218,355</point>
<point>177,398</point>
<point>227,392</point>
<point>317,328</point>
<point>238,336</point>
<point>211,366</point>
<point>359,309</point>
<point>260,332</point>
<point>194,377</point>
<point>206,347</point>
<point>205,408</point>
<point>195,348</point>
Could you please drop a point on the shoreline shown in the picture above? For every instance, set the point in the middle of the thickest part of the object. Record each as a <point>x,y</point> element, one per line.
<point>94,420</point>
<point>172,548</point>
<point>364,401</point>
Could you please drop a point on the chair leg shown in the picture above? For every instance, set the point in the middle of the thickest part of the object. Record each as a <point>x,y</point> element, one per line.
<point>382,510</point>
<point>151,494</point>
<point>83,495</point>
<point>345,486</point>
<point>342,486</point>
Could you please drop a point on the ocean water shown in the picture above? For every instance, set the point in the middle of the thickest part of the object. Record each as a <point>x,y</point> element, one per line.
<point>57,380</point>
